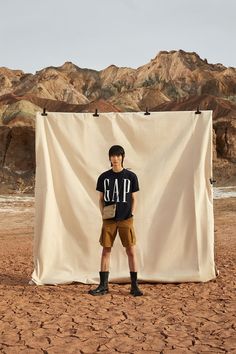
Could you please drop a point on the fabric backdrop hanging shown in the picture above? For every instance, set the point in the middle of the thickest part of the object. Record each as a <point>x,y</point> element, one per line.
<point>171,153</point>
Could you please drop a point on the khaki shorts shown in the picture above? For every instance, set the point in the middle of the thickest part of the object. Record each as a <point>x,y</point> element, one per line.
<point>125,229</point>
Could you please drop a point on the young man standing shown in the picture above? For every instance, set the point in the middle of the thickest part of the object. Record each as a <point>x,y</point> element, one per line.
<point>118,186</point>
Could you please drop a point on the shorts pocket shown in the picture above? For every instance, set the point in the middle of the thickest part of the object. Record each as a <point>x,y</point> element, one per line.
<point>132,236</point>
<point>101,237</point>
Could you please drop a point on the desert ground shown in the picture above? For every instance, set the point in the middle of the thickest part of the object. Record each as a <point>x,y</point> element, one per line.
<point>169,318</point>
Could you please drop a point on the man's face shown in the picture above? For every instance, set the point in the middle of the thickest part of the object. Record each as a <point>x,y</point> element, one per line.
<point>116,160</point>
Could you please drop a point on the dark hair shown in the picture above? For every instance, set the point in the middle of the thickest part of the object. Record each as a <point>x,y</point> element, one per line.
<point>117,150</point>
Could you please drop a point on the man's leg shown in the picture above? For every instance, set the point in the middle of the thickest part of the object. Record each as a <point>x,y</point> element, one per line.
<point>107,237</point>
<point>105,259</point>
<point>104,273</point>
<point>131,253</point>
<point>130,250</point>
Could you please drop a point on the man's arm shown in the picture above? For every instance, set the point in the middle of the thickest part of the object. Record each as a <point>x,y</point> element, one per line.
<point>133,202</point>
<point>101,201</point>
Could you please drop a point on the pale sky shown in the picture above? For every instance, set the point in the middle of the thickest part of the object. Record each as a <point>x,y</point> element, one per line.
<point>97,33</point>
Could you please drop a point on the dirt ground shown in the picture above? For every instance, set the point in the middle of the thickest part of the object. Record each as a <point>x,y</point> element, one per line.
<point>169,318</point>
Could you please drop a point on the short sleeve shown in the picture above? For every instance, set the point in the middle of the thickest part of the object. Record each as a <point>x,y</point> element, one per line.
<point>135,184</point>
<point>100,184</point>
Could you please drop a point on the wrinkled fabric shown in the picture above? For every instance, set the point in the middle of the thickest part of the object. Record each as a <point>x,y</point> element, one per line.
<point>171,153</point>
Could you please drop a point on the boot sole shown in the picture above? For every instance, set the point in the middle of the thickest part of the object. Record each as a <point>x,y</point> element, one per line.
<point>133,293</point>
<point>98,294</point>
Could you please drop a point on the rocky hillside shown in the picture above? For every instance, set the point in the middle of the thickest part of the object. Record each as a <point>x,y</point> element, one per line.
<point>174,80</point>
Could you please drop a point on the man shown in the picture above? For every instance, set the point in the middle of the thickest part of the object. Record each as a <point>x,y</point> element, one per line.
<point>118,186</point>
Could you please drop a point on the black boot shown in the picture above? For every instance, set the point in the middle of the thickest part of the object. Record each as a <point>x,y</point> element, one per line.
<point>103,286</point>
<point>135,291</point>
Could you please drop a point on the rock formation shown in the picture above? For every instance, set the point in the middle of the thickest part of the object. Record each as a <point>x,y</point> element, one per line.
<point>174,80</point>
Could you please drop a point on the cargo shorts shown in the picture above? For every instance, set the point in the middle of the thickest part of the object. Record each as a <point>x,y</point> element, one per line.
<point>125,229</point>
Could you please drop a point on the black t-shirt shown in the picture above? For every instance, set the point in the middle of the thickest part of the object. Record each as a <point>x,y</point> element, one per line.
<point>118,188</point>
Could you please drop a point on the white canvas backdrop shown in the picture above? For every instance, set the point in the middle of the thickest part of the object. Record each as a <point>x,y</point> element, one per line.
<point>171,153</point>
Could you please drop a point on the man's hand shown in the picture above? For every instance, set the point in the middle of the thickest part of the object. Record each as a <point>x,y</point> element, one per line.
<point>133,203</point>
<point>101,201</point>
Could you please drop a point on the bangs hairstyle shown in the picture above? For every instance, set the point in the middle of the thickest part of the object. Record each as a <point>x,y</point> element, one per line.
<point>117,150</point>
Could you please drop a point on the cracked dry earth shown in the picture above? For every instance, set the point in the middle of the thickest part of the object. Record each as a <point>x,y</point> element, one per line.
<point>170,318</point>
